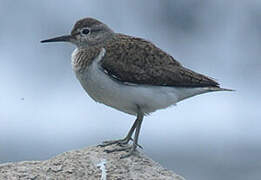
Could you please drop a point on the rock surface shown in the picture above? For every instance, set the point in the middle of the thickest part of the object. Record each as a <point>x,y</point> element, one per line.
<point>90,163</point>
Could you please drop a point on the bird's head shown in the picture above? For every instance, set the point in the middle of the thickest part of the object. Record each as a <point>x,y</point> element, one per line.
<point>86,32</point>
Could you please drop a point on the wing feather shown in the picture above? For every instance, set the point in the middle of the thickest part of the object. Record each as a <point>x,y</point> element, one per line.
<point>137,61</point>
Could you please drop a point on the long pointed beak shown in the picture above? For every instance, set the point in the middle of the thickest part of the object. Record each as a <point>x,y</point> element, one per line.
<point>66,38</point>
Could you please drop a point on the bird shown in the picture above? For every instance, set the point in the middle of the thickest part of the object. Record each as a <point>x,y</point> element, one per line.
<point>130,74</point>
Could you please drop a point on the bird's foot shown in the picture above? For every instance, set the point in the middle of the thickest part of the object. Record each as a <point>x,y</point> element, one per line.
<point>131,150</point>
<point>126,148</point>
<point>123,143</point>
<point>120,142</point>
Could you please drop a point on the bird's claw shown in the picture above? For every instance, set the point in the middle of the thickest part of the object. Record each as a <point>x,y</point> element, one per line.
<point>120,142</point>
<point>130,151</point>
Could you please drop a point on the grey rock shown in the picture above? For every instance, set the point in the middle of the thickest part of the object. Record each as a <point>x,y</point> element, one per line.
<point>90,163</point>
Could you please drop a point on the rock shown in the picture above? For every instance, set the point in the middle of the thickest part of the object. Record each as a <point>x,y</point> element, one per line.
<point>90,163</point>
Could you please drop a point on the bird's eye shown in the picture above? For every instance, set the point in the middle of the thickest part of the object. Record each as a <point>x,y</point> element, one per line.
<point>85,31</point>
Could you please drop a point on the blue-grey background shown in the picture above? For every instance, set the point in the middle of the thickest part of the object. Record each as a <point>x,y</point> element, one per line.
<point>44,111</point>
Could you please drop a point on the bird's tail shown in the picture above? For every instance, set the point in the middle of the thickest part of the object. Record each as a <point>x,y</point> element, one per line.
<point>220,89</point>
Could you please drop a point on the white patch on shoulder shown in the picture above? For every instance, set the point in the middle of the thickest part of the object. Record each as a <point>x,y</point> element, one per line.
<point>100,56</point>
<point>126,97</point>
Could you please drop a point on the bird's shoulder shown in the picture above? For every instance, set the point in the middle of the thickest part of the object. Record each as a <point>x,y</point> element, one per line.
<point>133,50</point>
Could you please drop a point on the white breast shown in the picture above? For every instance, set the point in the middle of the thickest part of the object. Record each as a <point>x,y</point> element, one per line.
<point>124,97</point>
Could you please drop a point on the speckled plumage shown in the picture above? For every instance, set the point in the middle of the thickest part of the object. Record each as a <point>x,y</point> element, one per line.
<point>130,74</point>
<point>134,60</point>
<point>138,61</point>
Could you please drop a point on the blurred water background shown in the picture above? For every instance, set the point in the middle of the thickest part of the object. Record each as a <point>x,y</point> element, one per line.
<point>44,111</point>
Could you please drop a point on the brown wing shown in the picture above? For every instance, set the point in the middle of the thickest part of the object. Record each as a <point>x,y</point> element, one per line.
<point>137,61</point>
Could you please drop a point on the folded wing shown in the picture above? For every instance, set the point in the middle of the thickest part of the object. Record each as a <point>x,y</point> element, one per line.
<point>138,61</point>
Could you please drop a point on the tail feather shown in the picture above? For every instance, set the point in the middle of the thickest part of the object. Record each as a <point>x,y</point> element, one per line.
<point>220,89</point>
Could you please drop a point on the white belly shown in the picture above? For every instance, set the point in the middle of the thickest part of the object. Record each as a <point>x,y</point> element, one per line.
<point>127,98</point>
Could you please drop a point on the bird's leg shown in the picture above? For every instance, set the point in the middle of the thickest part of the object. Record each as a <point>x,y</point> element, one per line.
<point>136,137</point>
<point>124,140</point>
<point>131,149</point>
